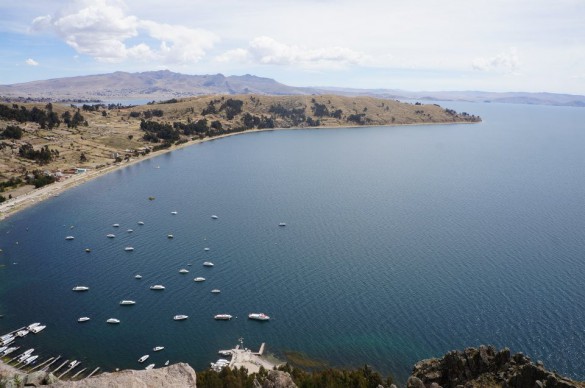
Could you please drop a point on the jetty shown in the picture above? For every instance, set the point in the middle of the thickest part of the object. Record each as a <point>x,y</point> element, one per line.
<point>60,366</point>
<point>92,373</point>
<point>244,357</point>
<point>40,365</point>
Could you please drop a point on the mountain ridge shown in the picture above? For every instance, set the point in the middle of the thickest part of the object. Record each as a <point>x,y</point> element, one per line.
<point>165,84</point>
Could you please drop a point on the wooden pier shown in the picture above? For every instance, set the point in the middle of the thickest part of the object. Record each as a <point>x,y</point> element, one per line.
<point>60,366</point>
<point>40,365</point>
<point>78,373</point>
<point>46,368</point>
<point>92,373</point>
<point>68,370</point>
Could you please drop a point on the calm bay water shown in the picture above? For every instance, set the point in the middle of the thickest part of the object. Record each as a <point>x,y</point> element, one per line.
<point>401,243</point>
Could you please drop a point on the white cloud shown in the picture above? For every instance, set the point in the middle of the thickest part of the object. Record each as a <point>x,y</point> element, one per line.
<point>268,51</point>
<point>505,62</point>
<point>101,29</point>
<point>31,62</point>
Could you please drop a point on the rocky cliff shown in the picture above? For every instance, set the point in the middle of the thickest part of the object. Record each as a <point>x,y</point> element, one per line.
<point>485,367</point>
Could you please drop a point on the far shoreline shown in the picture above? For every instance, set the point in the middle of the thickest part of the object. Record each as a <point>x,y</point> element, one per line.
<point>17,204</point>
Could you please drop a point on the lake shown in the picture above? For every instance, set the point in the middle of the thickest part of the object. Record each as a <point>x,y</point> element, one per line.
<point>401,243</point>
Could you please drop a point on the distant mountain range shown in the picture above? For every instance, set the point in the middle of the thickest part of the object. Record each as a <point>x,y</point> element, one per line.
<point>164,84</point>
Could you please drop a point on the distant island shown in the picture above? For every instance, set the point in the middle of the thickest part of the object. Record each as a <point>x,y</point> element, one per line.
<point>164,84</point>
<point>56,144</point>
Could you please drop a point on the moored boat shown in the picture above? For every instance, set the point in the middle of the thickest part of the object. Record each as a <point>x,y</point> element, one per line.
<point>282,224</point>
<point>111,235</point>
<point>259,316</point>
<point>37,329</point>
<point>170,236</point>
<point>199,279</point>
<point>127,302</point>
<point>149,367</point>
<point>183,270</point>
<point>83,319</point>
<point>137,276</point>
<point>222,317</point>
<point>69,238</point>
<point>30,360</point>
<point>208,264</point>
<point>140,222</point>
<point>215,291</point>
<point>22,333</point>
<point>143,358</point>
<point>214,217</point>
<point>33,325</point>
<point>116,225</point>
<point>180,317</point>
<point>158,348</point>
<point>129,249</point>
<point>80,288</point>
<point>113,320</point>
<point>174,213</point>
<point>157,287</point>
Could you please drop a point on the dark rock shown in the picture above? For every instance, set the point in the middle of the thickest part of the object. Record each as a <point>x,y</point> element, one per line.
<point>414,382</point>
<point>278,379</point>
<point>35,379</point>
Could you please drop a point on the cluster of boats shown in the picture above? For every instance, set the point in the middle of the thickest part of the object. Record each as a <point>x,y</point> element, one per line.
<point>6,340</point>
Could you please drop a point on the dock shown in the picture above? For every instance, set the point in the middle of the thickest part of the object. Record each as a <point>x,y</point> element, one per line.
<point>40,365</point>
<point>261,350</point>
<point>92,373</point>
<point>46,368</point>
<point>78,373</point>
<point>60,366</point>
<point>244,357</point>
<point>68,370</point>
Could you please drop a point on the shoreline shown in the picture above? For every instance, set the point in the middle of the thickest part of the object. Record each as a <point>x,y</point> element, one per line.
<point>15,205</point>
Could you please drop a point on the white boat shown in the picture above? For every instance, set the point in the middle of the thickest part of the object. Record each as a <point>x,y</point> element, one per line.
<point>282,224</point>
<point>3,348</point>
<point>259,316</point>
<point>157,287</point>
<point>158,348</point>
<point>7,341</point>
<point>143,358</point>
<point>87,250</point>
<point>130,230</point>
<point>116,225</point>
<point>225,353</point>
<point>214,217</point>
<point>206,249</point>
<point>73,364</point>
<point>30,360</point>
<point>83,319</point>
<point>69,238</point>
<point>127,302</point>
<point>170,236</point>
<point>215,291</point>
<point>149,367</point>
<point>10,350</point>
<point>167,363</point>
<point>174,213</point>
<point>129,249</point>
<point>208,264</point>
<point>183,270</point>
<point>33,325</point>
<point>113,320</point>
<point>180,317</point>
<point>37,329</point>
<point>138,277</point>
<point>110,235</point>
<point>199,279</point>
<point>22,333</point>
<point>80,288</point>
<point>222,317</point>
<point>140,222</point>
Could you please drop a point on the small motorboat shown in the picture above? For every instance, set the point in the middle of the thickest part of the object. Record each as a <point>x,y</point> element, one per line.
<point>37,329</point>
<point>73,363</point>
<point>87,250</point>
<point>29,327</point>
<point>138,276</point>
<point>110,235</point>
<point>30,360</point>
<point>140,222</point>
<point>215,291</point>
<point>158,348</point>
<point>130,230</point>
<point>214,217</point>
<point>282,224</point>
<point>167,363</point>
<point>116,225</point>
<point>127,302</point>
<point>174,213</point>
<point>149,367</point>
<point>157,287</point>
<point>113,320</point>
<point>259,316</point>
<point>170,236</point>
<point>22,333</point>
<point>80,288</point>
<point>199,279</point>
<point>180,317</point>
<point>183,270</point>
<point>206,249</point>
<point>208,264</point>
<point>129,249</point>
<point>69,238</point>
<point>83,319</point>
<point>222,317</point>
<point>143,358</point>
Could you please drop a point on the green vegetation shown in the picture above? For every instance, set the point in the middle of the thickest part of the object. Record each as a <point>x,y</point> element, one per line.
<point>42,156</point>
<point>12,132</point>
<point>39,179</point>
<point>156,131</point>
<point>364,377</point>
<point>45,118</point>
<point>75,120</point>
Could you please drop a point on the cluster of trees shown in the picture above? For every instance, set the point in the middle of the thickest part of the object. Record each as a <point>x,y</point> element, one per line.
<point>321,110</point>
<point>358,118</point>
<point>364,377</point>
<point>156,131</point>
<point>12,182</point>
<point>191,128</point>
<point>91,108</point>
<point>45,118</point>
<point>153,113</point>
<point>232,108</point>
<point>251,121</point>
<point>39,179</point>
<point>11,132</point>
<point>75,120</point>
<point>42,156</point>
<point>295,115</point>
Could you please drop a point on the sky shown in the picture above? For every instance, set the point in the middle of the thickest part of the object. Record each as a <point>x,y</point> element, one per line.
<point>488,45</point>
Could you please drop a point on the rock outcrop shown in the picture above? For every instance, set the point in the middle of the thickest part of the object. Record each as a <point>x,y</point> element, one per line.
<point>278,379</point>
<point>485,367</point>
<point>175,376</point>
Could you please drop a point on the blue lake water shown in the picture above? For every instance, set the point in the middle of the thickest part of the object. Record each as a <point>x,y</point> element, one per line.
<point>401,243</point>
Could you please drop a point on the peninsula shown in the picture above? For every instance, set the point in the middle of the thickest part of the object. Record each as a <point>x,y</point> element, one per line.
<point>48,147</point>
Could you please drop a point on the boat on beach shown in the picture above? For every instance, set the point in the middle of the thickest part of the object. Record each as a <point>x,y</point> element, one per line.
<point>259,316</point>
<point>149,367</point>
<point>80,288</point>
<point>170,236</point>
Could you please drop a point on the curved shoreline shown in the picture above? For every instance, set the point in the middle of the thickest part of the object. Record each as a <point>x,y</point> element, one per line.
<point>22,202</point>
